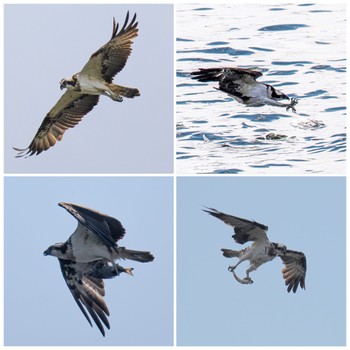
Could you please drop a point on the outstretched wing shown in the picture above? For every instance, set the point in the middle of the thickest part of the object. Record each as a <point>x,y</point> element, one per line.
<point>108,229</point>
<point>245,230</point>
<point>294,271</point>
<point>111,58</point>
<point>67,112</point>
<point>88,293</point>
<point>224,74</point>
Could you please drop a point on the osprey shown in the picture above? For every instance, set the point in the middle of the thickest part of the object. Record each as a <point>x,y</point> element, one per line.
<point>88,257</point>
<point>241,84</point>
<point>261,251</point>
<point>84,88</point>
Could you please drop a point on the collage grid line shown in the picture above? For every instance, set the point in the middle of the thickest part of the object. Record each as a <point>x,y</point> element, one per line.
<point>189,146</point>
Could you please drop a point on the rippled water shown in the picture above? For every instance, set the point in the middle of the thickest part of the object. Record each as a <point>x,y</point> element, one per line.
<point>301,51</point>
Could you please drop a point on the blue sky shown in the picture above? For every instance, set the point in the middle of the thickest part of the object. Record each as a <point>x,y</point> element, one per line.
<point>45,43</point>
<point>306,214</point>
<point>39,308</point>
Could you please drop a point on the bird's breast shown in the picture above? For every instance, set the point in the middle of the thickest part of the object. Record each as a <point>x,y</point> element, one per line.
<point>90,85</point>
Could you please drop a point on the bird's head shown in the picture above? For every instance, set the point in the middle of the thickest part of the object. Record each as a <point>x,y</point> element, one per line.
<point>58,250</point>
<point>68,83</point>
<point>281,248</point>
<point>275,94</point>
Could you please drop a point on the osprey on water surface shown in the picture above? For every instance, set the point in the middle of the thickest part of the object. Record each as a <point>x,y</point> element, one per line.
<point>84,88</point>
<point>88,257</point>
<point>241,84</point>
<point>261,251</point>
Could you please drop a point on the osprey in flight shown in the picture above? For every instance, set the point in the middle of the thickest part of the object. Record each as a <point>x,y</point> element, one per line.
<point>84,88</point>
<point>241,84</point>
<point>88,257</point>
<point>261,251</point>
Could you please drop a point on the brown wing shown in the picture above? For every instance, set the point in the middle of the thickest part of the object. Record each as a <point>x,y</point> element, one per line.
<point>67,112</point>
<point>295,269</point>
<point>87,292</point>
<point>111,58</point>
<point>245,230</point>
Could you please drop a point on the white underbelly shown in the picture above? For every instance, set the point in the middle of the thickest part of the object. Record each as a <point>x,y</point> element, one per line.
<point>87,247</point>
<point>252,95</point>
<point>261,255</point>
<point>91,86</point>
<point>87,254</point>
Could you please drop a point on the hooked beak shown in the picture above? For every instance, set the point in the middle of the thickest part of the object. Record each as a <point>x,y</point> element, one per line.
<point>63,84</point>
<point>46,252</point>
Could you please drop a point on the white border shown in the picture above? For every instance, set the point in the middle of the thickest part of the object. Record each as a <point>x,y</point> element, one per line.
<point>174,175</point>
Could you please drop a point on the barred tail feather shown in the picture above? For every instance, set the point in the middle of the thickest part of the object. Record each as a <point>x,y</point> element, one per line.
<point>135,255</point>
<point>124,91</point>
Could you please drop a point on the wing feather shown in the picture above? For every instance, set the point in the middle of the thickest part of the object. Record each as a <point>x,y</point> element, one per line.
<point>67,112</point>
<point>111,58</point>
<point>224,73</point>
<point>294,271</point>
<point>245,230</point>
<point>87,292</point>
<point>105,227</point>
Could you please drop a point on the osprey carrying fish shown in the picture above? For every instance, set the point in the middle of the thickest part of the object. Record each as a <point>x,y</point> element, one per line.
<point>88,257</point>
<point>241,84</point>
<point>84,88</point>
<point>261,251</point>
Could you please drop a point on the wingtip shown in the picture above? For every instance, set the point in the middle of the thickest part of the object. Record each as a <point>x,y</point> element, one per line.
<point>22,152</point>
<point>64,204</point>
<point>211,211</point>
<point>207,208</point>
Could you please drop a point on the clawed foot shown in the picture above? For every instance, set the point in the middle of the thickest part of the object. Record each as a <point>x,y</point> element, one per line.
<point>113,96</point>
<point>293,102</point>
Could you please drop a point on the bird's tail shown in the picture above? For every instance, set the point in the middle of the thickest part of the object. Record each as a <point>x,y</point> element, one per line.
<point>209,74</point>
<point>228,253</point>
<point>136,255</point>
<point>119,90</point>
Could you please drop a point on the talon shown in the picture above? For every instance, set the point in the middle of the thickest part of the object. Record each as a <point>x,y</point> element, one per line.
<point>293,102</point>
